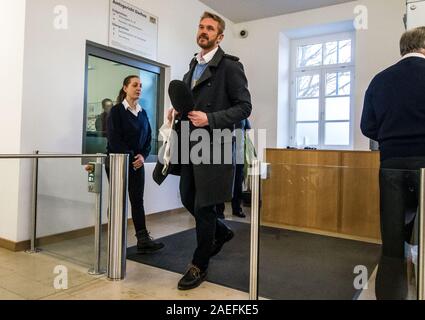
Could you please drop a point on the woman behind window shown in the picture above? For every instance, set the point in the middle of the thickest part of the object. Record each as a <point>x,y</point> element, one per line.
<point>129,132</point>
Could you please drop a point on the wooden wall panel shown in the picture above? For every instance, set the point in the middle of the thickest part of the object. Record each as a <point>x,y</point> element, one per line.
<point>301,196</point>
<point>360,186</point>
<point>333,191</point>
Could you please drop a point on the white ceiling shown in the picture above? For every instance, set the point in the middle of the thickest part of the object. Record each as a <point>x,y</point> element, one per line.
<point>247,10</point>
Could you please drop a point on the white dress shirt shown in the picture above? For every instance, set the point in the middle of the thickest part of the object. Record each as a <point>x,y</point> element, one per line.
<point>207,58</point>
<point>414,54</point>
<point>133,111</point>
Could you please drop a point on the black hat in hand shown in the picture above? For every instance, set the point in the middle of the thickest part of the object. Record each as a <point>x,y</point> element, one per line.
<point>181,97</point>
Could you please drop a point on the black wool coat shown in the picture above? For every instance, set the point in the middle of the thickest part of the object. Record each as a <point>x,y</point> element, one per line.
<point>222,93</point>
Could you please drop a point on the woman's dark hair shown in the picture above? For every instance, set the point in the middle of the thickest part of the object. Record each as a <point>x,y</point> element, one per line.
<point>126,82</point>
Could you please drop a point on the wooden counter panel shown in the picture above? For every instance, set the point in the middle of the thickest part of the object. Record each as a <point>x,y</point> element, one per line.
<point>302,196</point>
<point>360,195</point>
<point>307,157</point>
<point>341,198</point>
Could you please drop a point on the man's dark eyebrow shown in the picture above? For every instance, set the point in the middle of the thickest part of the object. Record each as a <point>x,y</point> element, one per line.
<point>206,26</point>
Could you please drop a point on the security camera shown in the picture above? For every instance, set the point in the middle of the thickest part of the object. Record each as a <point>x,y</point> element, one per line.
<point>243,33</point>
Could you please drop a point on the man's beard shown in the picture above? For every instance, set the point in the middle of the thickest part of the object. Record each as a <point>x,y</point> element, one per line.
<point>210,44</point>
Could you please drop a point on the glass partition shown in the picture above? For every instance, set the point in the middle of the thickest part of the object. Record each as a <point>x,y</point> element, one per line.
<point>320,234</point>
<point>66,211</point>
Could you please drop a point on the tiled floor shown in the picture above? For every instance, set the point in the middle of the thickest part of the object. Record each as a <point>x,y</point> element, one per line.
<point>31,276</point>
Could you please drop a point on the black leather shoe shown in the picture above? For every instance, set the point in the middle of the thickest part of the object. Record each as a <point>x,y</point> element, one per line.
<point>192,278</point>
<point>218,243</point>
<point>239,214</point>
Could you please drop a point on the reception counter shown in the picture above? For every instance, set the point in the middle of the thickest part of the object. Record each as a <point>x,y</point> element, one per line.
<point>333,192</point>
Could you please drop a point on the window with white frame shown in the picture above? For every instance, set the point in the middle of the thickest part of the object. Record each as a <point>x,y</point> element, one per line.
<point>322,92</point>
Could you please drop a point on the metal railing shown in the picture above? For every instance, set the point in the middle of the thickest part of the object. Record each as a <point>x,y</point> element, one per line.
<point>117,205</point>
<point>98,227</point>
<point>255,212</point>
<point>117,226</point>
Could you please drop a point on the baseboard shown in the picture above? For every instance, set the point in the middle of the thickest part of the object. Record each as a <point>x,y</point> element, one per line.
<point>25,245</point>
<point>14,246</point>
<point>322,232</point>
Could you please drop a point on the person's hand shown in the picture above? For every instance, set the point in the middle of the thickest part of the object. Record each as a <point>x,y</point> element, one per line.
<point>170,113</point>
<point>198,118</point>
<point>89,168</point>
<point>139,161</point>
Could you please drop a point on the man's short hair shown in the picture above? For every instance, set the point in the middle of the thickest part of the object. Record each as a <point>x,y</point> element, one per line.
<point>412,41</point>
<point>105,101</point>
<point>221,22</point>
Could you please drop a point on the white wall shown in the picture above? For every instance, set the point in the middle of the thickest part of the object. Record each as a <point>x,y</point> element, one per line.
<point>376,49</point>
<point>53,87</point>
<point>283,82</point>
<point>12,19</point>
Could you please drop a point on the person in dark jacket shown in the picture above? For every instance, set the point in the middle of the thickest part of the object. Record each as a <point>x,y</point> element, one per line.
<point>239,175</point>
<point>222,100</point>
<point>394,115</point>
<point>101,119</point>
<point>129,132</point>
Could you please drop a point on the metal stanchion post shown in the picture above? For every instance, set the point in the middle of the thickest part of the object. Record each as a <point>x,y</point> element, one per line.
<point>421,242</point>
<point>255,209</point>
<point>98,221</point>
<point>117,223</point>
<point>33,249</point>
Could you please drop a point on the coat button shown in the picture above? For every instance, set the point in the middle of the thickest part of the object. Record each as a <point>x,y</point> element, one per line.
<point>209,84</point>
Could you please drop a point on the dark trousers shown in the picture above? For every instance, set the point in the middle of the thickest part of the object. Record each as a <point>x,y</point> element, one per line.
<point>237,191</point>
<point>399,197</point>
<point>208,227</point>
<point>136,189</point>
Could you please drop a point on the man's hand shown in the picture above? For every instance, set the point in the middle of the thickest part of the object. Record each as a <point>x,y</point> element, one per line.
<point>198,118</point>
<point>170,114</point>
<point>139,161</point>
<point>89,168</point>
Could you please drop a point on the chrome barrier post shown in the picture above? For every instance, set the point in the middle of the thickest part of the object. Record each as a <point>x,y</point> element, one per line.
<point>98,222</point>
<point>255,210</point>
<point>33,249</point>
<point>421,242</point>
<point>117,222</point>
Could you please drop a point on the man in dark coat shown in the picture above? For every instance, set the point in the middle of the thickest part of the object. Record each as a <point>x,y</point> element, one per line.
<point>222,99</point>
<point>394,115</point>
<point>239,174</point>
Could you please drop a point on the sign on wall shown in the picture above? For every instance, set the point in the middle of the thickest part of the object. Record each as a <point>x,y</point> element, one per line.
<point>415,14</point>
<point>133,30</point>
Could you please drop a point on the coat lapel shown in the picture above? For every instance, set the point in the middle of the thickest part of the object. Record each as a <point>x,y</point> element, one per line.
<point>188,76</point>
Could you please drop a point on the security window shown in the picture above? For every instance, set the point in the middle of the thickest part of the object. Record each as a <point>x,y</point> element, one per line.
<point>105,70</point>
<point>322,92</point>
